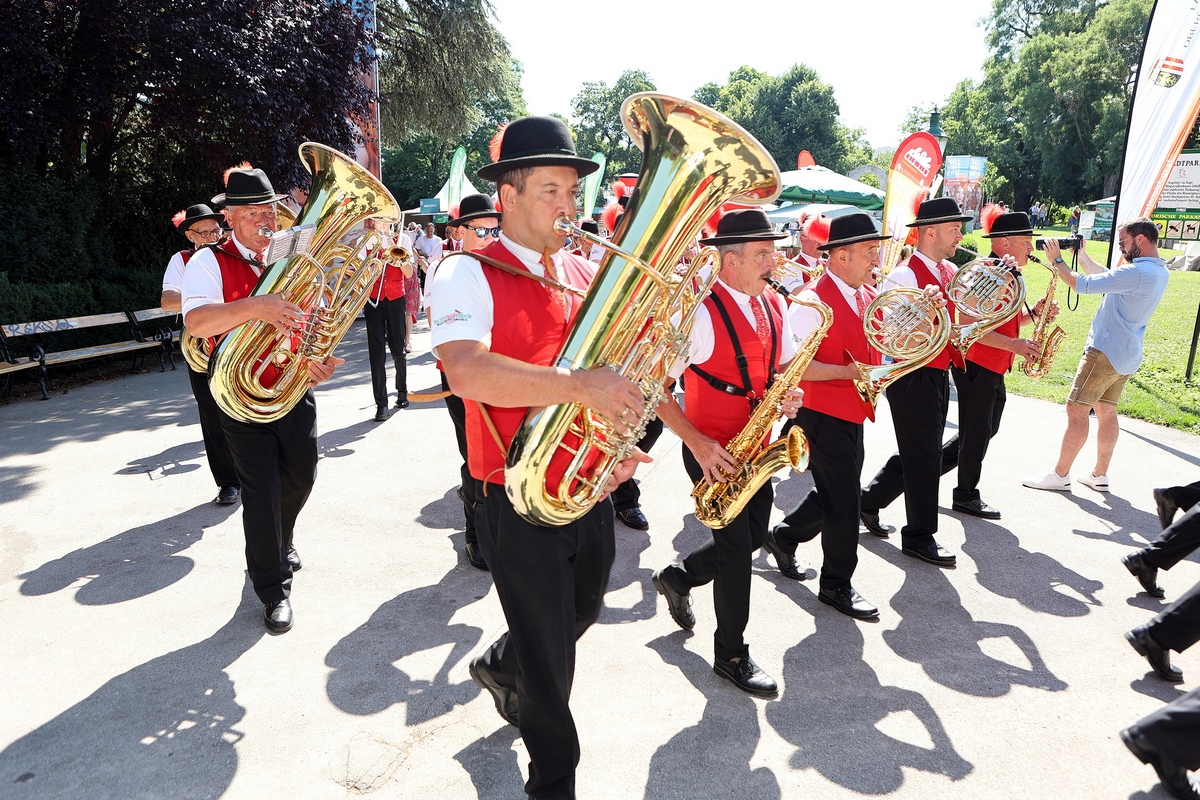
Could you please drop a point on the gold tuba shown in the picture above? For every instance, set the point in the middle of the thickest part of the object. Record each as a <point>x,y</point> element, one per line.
<point>695,159</point>
<point>988,291</point>
<point>1048,344</point>
<point>257,373</point>
<point>717,504</point>
<point>907,325</point>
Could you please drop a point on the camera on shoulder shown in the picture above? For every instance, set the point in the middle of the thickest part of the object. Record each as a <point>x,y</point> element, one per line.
<point>1069,243</point>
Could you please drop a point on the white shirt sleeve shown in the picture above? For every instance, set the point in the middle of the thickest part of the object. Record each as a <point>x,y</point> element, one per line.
<point>899,276</point>
<point>804,320</point>
<point>788,343</point>
<point>700,343</point>
<point>173,277</point>
<point>202,283</point>
<point>462,306</point>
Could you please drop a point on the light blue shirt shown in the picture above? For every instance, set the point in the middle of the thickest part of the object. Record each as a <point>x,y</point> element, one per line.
<point>1131,293</point>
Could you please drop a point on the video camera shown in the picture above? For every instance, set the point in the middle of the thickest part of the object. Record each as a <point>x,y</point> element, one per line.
<point>1070,243</point>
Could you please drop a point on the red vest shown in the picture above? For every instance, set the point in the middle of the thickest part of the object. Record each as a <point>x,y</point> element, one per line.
<point>237,276</point>
<point>186,255</point>
<point>993,358</point>
<point>390,285</point>
<point>925,277</point>
<point>529,326</point>
<point>717,414</point>
<point>840,398</point>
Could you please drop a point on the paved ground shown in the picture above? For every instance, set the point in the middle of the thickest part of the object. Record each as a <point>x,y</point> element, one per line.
<point>134,662</point>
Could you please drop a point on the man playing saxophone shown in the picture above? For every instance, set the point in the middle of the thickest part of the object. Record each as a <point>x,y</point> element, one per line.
<point>741,338</point>
<point>499,319</point>
<point>832,417</point>
<point>276,461</point>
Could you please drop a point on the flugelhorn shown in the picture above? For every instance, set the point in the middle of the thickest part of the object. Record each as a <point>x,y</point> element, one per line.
<point>989,292</point>
<point>1048,343</point>
<point>694,160</point>
<point>789,267</point>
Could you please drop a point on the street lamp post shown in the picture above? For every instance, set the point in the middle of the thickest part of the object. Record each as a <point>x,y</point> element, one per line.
<point>935,130</point>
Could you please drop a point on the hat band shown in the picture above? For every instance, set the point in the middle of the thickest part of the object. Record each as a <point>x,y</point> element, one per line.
<point>267,195</point>
<point>555,151</point>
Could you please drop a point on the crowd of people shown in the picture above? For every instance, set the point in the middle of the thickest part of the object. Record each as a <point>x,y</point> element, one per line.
<point>500,296</point>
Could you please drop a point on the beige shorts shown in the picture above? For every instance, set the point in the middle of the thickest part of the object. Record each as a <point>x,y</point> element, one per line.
<point>1096,381</point>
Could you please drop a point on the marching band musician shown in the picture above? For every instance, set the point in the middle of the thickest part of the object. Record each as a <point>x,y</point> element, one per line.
<point>814,232</point>
<point>276,461</point>
<point>387,326</point>
<point>920,399</point>
<point>740,339</point>
<point>832,417</point>
<point>202,227</point>
<point>980,386</point>
<point>497,333</point>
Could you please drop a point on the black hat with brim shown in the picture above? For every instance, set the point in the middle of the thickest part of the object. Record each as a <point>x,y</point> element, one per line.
<point>852,229</point>
<point>247,187</point>
<point>744,225</point>
<point>937,211</point>
<point>590,226</point>
<point>474,206</point>
<point>1014,223</point>
<point>194,214</point>
<point>537,142</point>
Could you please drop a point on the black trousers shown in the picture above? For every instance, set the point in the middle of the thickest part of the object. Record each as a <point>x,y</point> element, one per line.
<point>1174,730</point>
<point>919,402</point>
<point>220,460</point>
<point>724,560</point>
<point>1177,627</point>
<point>277,463</point>
<point>551,584</point>
<point>628,494</point>
<point>386,325</point>
<point>458,415</point>
<point>1185,496</point>
<point>831,507</point>
<point>1178,541</point>
<point>981,399</point>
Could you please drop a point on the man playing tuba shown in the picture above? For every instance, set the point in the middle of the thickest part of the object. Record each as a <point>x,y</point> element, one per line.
<point>276,461</point>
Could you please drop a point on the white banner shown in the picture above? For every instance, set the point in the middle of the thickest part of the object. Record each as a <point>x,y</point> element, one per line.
<point>1166,101</point>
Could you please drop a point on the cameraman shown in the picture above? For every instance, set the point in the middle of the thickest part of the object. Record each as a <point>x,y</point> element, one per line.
<point>1113,350</point>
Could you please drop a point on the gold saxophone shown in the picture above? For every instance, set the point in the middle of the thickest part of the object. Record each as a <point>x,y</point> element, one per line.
<point>257,373</point>
<point>694,160</point>
<point>718,504</point>
<point>1048,344</point>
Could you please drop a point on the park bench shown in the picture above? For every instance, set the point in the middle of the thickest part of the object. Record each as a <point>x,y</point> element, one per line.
<point>148,329</point>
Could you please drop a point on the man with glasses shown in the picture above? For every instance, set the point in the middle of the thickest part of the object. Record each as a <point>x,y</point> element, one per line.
<point>1113,350</point>
<point>202,228</point>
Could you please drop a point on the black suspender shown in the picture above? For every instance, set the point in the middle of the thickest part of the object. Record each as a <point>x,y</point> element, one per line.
<point>745,390</point>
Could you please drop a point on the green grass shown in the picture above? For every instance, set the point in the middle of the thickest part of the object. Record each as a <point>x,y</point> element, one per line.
<point>1157,392</point>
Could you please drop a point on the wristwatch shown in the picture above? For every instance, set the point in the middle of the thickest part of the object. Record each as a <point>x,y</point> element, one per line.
<point>1059,260</point>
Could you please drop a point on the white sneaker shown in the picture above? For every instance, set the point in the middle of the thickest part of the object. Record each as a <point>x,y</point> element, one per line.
<point>1051,481</point>
<point>1097,482</point>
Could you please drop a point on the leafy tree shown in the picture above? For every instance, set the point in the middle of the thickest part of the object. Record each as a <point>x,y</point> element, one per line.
<point>597,121</point>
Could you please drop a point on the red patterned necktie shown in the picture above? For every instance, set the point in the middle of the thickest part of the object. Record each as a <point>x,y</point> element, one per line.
<point>861,302</point>
<point>761,327</point>
<point>556,294</point>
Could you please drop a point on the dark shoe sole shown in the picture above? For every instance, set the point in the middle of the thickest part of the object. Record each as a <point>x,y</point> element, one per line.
<point>747,689</point>
<point>948,563</point>
<point>849,612</point>
<point>666,592</point>
<point>1141,651</point>
<point>974,513</point>
<point>484,680</point>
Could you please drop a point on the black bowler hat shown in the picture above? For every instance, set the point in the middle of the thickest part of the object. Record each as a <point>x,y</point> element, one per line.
<point>744,225</point>
<point>247,187</point>
<point>1014,223</point>
<point>194,214</point>
<point>537,142</point>
<point>590,226</point>
<point>937,211</point>
<point>852,229</point>
<point>474,206</point>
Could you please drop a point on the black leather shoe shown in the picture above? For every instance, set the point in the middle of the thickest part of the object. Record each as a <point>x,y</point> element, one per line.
<point>1158,656</point>
<point>1174,777</point>
<point>871,523</point>
<point>784,560</point>
<point>227,496</point>
<point>849,602</point>
<point>678,603</point>
<point>934,553</point>
<point>1166,507</point>
<point>401,402</point>
<point>381,414</point>
<point>475,556</point>
<point>278,616</point>
<point>294,559</point>
<point>634,518</point>
<point>1147,575</point>
<point>505,699</point>
<point>745,674</point>
<point>977,508</point>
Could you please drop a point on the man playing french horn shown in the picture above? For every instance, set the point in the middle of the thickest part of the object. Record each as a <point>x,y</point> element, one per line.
<point>740,339</point>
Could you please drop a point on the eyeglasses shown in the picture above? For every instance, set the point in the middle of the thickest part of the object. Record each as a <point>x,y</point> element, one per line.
<point>483,232</point>
<point>213,234</point>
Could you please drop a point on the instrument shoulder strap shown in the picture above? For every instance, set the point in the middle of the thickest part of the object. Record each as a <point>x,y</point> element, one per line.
<point>746,389</point>
<point>524,273</point>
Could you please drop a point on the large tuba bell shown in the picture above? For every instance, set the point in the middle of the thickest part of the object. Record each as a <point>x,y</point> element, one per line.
<point>257,373</point>
<point>694,161</point>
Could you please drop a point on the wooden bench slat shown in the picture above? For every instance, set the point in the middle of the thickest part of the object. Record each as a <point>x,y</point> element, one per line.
<point>98,350</point>
<point>68,324</point>
<point>153,313</point>
<point>7,366</point>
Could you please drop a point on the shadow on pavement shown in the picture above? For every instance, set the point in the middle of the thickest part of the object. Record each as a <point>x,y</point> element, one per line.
<point>833,705</point>
<point>163,729</point>
<point>730,717</point>
<point>132,564</point>
<point>627,571</point>
<point>367,678</point>
<point>492,764</point>
<point>169,461</point>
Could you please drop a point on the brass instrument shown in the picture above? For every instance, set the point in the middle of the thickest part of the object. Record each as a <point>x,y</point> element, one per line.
<point>257,373</point>
<point>907,325</point>
<point>791,267</point>
<point>988,291</point>
<point>637,315</point>
<point>718,504</point>
<point>397,256</point>
<point>1048,344</point>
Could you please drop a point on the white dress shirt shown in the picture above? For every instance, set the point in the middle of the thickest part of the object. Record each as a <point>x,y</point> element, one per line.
<point>702,340</point>
<point>202,282</point>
